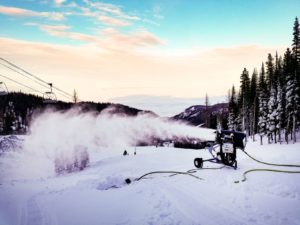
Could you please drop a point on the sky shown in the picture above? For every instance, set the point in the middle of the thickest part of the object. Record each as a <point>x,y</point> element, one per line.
<point>116,49</point>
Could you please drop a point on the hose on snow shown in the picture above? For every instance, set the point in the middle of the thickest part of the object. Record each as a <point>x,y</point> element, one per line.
<point>267,170</point>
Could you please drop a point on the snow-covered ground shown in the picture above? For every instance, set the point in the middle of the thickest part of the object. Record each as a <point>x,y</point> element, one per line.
<point>99,195</point>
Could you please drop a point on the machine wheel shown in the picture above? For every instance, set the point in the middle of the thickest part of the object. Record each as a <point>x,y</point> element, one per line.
<point>198,162</point>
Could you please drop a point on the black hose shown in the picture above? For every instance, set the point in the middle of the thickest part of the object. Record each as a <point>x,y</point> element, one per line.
<point>266,170</point>
<point>270,164</point>
<point>172,172</point>
<point>208,168</point>
<point>189,172</point>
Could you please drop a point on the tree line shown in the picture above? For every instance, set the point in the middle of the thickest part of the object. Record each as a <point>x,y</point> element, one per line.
<point>17,110</point>
<point>267,103</point>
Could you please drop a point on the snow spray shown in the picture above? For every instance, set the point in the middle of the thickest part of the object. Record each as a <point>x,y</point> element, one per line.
<point>56,133</point>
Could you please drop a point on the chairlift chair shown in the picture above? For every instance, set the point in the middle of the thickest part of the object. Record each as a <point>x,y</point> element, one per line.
<point>3,89</point>
<point>49,96</point>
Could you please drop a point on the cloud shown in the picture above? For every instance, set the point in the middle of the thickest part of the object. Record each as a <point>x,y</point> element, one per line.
<point>111,9</point>
<point>55,30</point>
<point>139,38</point>
<point>96,71</point>
<point>12,11</point>
<point>59,2</point>
<point>19,12</point>
<point>156,10</point>
<point>109,39</point>
<point>113,21</point>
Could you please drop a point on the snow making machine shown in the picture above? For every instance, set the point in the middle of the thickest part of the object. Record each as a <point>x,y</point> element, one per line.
<point>224,149</point>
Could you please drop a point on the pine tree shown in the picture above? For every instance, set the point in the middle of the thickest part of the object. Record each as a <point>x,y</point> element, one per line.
<point>272,115</point>
<point>207,114</point>
<point>263,107</point>
<point>270,72</point>
<point>232,115</point>
<point>10,118</point>
<point>254,103</point>
<point>296,41</point>
<point>292,102</point>
<point>279,109</point>
<point>296,70</point>
<point>287,73</point>
<point>245,100</point>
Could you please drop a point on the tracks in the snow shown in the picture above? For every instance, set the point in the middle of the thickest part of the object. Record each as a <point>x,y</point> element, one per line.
<point>32,213</point>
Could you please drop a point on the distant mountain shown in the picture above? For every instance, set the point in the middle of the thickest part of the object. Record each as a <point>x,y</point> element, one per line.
<point>195,115</point>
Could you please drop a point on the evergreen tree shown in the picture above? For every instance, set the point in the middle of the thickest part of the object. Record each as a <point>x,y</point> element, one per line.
<point>245,100</point>
<point>263,104</point>
<point>272,115</point>
<point>296,67</point>
<point>232,115</point>
<point>270,72</point>
<point>287,73</point>
<point>296,41</point>
<point>207,113</point>
<point>292,102</point>
<point>10,118</point>
<point>254,103</point>
<point>239,117</point>
<point>279,116</point>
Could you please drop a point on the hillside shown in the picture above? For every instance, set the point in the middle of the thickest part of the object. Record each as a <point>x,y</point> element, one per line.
<point>195,115</point>
<point>16,110</point>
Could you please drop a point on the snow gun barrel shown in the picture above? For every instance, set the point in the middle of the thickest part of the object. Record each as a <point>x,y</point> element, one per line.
<point>227,141</point>
<point>236,136</point>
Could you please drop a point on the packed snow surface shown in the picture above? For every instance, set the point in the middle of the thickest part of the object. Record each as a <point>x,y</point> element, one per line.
<point>99,195</point>
<point>32,194</point>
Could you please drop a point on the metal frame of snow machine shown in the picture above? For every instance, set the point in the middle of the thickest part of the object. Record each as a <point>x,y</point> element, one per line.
<point>228,141</point>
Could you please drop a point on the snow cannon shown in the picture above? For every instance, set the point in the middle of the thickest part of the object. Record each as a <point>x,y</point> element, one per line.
<point>224,150</point>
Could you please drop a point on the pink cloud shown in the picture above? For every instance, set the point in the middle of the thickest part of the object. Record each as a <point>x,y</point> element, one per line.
<point>94,72</point>
<point>113,21</point>
<point>13,11</point>
<point>109,39</point>
<point>111,9</point>
<point>19,12</point>
<point>136,39</point>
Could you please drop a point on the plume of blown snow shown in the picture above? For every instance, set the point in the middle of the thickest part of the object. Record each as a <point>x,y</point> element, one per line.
<point>53,134</point>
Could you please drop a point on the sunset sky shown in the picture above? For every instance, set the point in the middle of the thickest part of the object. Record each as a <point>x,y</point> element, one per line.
<point>109,50</point>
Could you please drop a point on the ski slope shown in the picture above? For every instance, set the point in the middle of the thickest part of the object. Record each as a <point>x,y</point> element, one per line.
<point>99,195</point>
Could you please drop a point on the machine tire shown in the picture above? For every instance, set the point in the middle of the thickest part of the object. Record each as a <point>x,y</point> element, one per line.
<point>198,162</point>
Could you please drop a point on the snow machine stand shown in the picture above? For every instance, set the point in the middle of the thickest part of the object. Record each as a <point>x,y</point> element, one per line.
<point>227,142</point>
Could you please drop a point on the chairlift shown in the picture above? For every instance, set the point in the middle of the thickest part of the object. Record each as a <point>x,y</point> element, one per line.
<point>3,89</point>
<point>49,96</point>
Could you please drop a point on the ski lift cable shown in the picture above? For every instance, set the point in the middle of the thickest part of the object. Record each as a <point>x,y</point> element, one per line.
<point>20,83</point>
<point>24,75</point>
<point>34,76</point>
